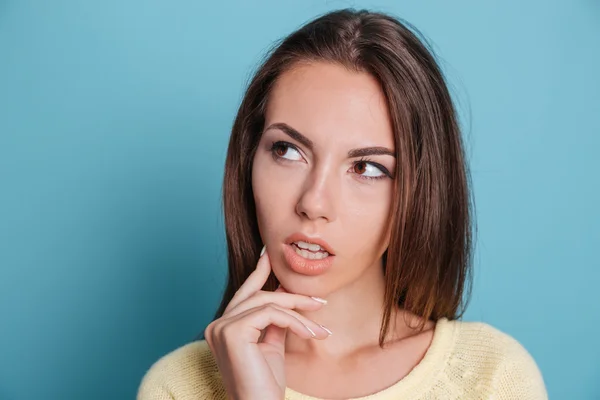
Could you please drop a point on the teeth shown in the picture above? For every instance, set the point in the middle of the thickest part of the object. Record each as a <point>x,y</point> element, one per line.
<point>309,246</point>
<point>310,251</point>
<point>310,255</point>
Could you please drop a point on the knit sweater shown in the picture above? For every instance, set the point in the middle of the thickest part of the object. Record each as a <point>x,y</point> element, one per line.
<point>465,360</point>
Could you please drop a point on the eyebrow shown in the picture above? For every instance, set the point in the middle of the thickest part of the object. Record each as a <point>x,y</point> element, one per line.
<point>362,152</point>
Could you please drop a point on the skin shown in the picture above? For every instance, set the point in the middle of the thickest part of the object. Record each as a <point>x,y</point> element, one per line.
<point>320,191</point>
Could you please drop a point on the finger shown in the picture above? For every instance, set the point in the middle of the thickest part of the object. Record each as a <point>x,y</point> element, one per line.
<point>260,319</point>
<point>279,297</point>
<point>275,336</point>
<point>254,282</point>
<point>320,332</point>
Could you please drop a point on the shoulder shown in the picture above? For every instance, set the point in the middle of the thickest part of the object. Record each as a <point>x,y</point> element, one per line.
<point>189,372</point>
<point>493,361</point>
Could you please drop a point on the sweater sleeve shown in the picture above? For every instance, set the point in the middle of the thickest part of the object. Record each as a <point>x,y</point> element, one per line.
<point>153,385</point>
<point>520,378</point>
<point>187,373</point>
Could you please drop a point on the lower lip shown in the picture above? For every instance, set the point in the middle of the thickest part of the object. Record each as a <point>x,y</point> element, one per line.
<point>303,265</point>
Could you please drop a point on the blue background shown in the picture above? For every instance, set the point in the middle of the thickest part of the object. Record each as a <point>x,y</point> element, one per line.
<point>114,121</point>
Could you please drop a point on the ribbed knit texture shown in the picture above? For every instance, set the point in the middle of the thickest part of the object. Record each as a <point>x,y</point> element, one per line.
<point>466,360</point>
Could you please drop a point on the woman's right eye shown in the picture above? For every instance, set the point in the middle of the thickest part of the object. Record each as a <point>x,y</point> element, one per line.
<point>286,151</point>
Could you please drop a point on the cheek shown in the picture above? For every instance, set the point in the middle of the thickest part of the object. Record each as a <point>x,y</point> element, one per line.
<point>274,192</point>
<point>366,220</point>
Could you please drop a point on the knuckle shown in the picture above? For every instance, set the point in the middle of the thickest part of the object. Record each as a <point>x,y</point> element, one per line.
<point>217,330</point>
<point>208,331</point>
<point>227,331</point>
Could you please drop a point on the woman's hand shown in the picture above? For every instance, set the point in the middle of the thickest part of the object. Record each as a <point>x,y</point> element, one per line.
<point>248,341</point>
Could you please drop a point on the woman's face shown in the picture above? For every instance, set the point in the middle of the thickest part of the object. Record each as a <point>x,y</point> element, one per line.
<point>322,178</point>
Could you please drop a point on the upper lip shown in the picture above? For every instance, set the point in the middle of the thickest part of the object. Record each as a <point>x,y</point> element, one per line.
<point>300,237</point>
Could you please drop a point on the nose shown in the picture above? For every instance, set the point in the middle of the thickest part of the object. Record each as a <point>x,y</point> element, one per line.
<point>317,198</point>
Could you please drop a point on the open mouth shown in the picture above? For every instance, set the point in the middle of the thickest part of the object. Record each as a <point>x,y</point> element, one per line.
<point>310,251</point>
<point>308,256</point>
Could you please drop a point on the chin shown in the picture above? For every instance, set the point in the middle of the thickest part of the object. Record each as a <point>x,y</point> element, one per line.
<point>288,268</point>
<point>304,285</point>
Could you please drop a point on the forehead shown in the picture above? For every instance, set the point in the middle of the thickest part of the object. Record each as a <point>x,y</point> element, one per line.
<point>330,104</point>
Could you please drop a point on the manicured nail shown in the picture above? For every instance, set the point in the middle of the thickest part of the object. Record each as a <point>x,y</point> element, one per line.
<point>326,330</point>
<point>320,300</point>
<point>263,250</point>
<point>311,331</point>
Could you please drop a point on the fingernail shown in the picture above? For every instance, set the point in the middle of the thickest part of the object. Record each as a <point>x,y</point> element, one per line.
<point>326,330</point>
<point>320,300</point>
<point>311,331</point>
<point>263,250</point>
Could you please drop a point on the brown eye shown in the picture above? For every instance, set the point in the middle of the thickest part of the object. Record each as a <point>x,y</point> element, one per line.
<point>285,151</point>
<point>369,170</point>
<point>360,167</point>
<point>281,150</point>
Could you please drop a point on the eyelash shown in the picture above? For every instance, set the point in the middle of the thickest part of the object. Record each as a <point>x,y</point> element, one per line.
<point>386,174</point>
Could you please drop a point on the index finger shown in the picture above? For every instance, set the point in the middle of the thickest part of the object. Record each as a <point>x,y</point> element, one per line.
<point>255,281</point>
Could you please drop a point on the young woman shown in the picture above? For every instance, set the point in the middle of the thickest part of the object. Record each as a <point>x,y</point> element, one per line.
<point>346,163</point>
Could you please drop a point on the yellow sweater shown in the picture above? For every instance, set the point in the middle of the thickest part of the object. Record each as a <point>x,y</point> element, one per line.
<point>466,360</point>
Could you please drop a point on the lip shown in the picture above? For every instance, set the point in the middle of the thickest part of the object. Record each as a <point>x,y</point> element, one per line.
<point>299,237</point>
<point>305,266</point>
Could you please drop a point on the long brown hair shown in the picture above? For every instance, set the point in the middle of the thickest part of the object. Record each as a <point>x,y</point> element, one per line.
<point>429,259</point>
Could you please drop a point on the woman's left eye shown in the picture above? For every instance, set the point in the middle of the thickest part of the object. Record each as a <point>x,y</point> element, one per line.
<point>369,170</point>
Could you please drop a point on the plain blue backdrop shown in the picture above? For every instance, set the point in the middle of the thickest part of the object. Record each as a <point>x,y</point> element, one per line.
<point>114,122</point>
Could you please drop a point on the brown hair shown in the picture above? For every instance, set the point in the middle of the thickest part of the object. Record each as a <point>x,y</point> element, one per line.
<point>429,259</point>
